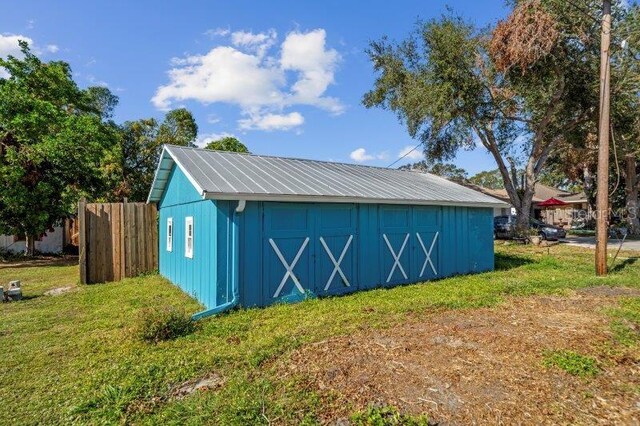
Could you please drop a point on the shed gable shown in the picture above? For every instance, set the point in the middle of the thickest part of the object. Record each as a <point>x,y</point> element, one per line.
<point>178,190</point>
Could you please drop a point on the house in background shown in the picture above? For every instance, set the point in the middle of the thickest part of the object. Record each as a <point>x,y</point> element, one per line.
<point>577,204</point>
<point>60,238</point>
<point>256,230</point>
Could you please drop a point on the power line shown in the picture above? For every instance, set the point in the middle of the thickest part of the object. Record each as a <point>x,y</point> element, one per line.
<point>584,11</point>
<point>405,154</point>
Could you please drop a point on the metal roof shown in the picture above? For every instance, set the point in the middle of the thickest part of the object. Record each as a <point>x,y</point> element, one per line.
<point>234,176</point>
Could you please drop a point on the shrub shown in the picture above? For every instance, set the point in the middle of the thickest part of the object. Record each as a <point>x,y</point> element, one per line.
<point>387,416</point>
<point>572,362</point>
<point>163,322</point>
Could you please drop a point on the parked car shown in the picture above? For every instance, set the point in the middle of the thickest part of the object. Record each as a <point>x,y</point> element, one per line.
<point>504,227</point>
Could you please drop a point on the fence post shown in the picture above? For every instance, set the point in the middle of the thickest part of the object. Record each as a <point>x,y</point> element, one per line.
<point>123,219</point>
<point>82,239</point>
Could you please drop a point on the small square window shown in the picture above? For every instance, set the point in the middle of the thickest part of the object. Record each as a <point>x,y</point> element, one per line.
<point>170,234</point>
<point>188,237</point>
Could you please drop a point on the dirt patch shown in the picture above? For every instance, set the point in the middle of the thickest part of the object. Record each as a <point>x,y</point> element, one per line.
<point>604,290</point>
<point>66,260</point>
<point>210,382</point>
<point>479,366</point>
<point>59,290</point>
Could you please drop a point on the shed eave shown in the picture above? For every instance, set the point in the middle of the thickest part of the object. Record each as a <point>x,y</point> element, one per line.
<point>292,198</point>
<point>161,176</point>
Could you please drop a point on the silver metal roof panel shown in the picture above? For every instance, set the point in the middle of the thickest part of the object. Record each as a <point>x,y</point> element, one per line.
<point>233,176</point>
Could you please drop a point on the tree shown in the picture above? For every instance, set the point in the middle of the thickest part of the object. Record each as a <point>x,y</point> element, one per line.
<point>52,138</point>
<point>445,170</point>
<point>519,90</point>
<point>577,156</point>
<point>130,166</point>
<point>491,179</point>
<point>178,128</point>
<point>227,143</point>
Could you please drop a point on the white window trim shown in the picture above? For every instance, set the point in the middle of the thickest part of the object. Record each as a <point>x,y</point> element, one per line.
<point>170,234</point>
<point>188,248</point>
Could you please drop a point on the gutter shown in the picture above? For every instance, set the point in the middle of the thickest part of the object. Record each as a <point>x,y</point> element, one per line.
<point>235,268</point>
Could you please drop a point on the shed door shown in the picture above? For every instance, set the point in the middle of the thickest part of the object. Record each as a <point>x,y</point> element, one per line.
<point>287,248</point>
<point>395,244</point>
<point>336,249</point>
<point>426,238</point>
<point>480,240</point>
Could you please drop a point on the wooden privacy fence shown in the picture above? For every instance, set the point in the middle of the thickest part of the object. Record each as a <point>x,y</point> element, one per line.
<point>116,240</point>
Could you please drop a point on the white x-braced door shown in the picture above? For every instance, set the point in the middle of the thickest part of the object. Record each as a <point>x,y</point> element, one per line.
<point>287,252</point>
<point>395,244</point>
<point>336,248</point>
<point>427,236</point>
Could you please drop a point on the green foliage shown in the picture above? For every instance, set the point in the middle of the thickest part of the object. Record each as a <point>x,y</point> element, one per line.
<point>130,166</point>
<point>53,136</point>
<point>387,416</point>
<point>572,362</point>
<point>445,170</point>
<point>419,78</point>
<point>491,179</point>
<point>626,321</point>
<point>178,128</point>
<point>227,143</point>
<point>163,322</point>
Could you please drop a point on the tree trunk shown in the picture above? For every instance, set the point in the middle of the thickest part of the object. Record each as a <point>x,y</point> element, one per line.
<point>588,186</point>
<point>631,183</point>
<point>30,248</point>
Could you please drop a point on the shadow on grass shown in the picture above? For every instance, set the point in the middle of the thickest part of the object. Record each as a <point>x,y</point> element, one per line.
<point>18,263</point>
<point>504,262</point>
<point>619,266</point>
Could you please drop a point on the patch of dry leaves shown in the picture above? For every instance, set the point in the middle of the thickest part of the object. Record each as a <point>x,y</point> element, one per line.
<point>480,366</point>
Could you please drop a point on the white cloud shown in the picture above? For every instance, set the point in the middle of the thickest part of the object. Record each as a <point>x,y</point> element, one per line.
<point>204,139</point>
<point>9,46</point>
<point>411,155</point>
<point>272,121</point>
<point>361,155</point>
<point>222,75</point>
<point>258,43</point>
<point>250,75</point>
<point>217,32</point>
<point>52,48</point>
<point>306,53</point>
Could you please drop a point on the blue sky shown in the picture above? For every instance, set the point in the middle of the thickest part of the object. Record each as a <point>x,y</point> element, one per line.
<point>285,77</point>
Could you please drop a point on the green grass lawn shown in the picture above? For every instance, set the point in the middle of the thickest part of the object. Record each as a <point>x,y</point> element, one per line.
<point>72,358</point>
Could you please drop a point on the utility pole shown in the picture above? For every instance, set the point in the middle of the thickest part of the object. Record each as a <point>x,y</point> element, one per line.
<point>602,201</point>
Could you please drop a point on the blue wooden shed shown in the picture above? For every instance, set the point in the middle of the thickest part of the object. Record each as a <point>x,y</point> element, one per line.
<point>255,230</point>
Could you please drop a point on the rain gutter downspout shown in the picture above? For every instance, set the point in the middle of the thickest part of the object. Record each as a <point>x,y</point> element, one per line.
<point>235,268</point>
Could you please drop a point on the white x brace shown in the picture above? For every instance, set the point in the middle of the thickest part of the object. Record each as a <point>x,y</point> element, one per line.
<point>288,267</point>
<point>427,254</point>
<point>396,257</point>
<point>336,264</point>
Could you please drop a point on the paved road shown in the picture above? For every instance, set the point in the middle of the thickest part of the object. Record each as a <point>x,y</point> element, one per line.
<point>590,242</point>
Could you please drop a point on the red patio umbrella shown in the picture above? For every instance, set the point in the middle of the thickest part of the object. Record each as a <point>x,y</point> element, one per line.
<point>552,202</point>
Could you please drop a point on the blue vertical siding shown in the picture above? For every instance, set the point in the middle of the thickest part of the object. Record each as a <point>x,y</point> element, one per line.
<point>205,276</point>
<point>460,241</point>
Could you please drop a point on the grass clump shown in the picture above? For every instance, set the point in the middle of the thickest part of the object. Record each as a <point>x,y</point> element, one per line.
<point>572,362</point>
<point>164,322</point>
<point>387,416</point>
<point>626,322</point>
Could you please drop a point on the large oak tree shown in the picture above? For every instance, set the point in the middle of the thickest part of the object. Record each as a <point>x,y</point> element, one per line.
<point>518,90</point>
<point>53,136</point>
